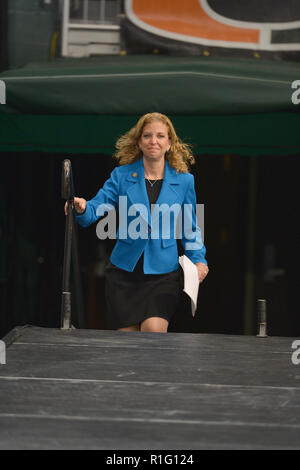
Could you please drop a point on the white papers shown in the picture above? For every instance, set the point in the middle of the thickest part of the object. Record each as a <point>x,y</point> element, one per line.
<point>191,280</point>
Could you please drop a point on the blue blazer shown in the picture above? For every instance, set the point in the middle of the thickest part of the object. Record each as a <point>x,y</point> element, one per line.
<point>159,248</point>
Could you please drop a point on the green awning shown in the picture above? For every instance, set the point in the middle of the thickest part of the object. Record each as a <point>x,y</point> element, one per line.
<point>218,105</point>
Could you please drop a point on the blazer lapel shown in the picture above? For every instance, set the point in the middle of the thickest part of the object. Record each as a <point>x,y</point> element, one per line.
<point>168,194</point>
<point>137,193</point>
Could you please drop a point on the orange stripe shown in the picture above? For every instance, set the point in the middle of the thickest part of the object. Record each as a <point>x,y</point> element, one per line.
<point>188,17</point>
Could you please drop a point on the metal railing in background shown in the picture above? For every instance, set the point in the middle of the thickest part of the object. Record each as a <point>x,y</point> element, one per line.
<point>90,27</point>
<point>95,11</point>
<point>70,255</point>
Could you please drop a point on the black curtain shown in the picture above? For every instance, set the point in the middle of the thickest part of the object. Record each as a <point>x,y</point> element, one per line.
<point>3,35</point>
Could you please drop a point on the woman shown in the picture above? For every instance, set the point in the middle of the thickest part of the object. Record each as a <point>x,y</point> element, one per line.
<point>143,278</point>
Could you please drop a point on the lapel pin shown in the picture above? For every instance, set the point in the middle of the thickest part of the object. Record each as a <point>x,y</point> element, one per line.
<point>134,174</point>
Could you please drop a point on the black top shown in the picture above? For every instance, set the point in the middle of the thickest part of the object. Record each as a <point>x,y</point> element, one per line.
<point>153,191</point>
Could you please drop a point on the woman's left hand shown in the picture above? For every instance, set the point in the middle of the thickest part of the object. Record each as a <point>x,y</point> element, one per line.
<point>202,271</point>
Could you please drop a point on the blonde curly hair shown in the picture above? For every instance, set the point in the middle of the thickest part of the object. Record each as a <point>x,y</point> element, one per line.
<point>179,156</point>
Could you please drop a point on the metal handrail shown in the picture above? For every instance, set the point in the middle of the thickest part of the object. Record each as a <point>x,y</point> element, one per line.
<point>70,254</point>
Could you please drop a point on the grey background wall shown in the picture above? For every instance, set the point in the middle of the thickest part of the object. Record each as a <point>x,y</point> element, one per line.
<point>31,26</point>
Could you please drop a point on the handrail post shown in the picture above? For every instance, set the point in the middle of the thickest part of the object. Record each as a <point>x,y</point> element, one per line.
<point>66,292</point>
<point>70,253</point>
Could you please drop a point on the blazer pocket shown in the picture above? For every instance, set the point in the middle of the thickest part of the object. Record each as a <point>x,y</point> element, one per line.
<point>165,242</point>
<point>127,240</point>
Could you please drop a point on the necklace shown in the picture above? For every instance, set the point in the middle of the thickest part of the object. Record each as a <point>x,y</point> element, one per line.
<point>151,184</point>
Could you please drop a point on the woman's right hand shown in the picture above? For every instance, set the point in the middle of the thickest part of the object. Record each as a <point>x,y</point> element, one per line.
<point>79,204</point>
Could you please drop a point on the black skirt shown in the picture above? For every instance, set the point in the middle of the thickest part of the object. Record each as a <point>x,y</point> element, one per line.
<point>132,297</point>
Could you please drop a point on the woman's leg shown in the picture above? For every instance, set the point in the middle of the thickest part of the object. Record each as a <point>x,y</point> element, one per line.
<point>130,328</point>
<point>155,325</point>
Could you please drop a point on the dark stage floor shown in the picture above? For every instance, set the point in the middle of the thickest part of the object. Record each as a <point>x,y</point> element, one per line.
<point>88,389</point>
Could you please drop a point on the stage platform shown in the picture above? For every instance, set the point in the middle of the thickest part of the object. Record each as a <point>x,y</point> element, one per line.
<point>94,389</point>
